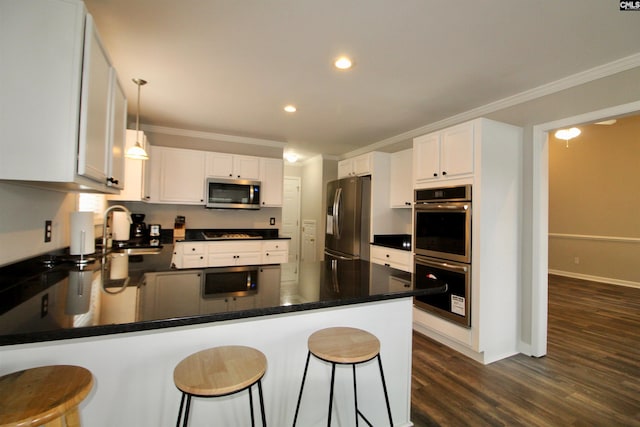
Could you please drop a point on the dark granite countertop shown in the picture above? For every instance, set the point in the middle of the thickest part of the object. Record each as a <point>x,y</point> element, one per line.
<point>120,293</point>
<point>395,241</point>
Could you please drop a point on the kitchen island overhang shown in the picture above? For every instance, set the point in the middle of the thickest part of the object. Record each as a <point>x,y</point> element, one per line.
<point>133,362</point>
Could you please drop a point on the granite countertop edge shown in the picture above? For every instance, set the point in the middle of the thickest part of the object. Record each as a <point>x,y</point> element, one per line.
<point>102,330</point>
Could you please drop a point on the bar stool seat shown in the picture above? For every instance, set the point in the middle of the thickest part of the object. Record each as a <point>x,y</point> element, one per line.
<point>220,371</point>
<point>47,395</point>
<point>344,345</point>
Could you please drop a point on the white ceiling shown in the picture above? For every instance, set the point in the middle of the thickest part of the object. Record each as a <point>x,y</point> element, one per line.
<point>230,66</point>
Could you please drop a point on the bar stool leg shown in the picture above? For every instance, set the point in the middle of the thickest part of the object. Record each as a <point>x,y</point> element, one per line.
<point>304,376</point>
<point>384,387</point>
<point>355,392</point>
<point>264,419</point>
<point>253,423</point>
<point>180,410</point>
<point>186,411</point>
<point>333,377</point>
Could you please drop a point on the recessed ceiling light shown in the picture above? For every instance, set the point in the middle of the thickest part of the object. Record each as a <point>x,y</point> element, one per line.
<point>290,108</point>
<point>343,63</point>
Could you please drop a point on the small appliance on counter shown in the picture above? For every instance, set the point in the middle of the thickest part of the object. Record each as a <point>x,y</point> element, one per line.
<point>154,234</point>
<point>138,232</point>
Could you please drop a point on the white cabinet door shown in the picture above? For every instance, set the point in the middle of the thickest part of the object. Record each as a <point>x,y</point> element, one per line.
<point>401,194</point>
<point>181,176</point>
<point>272,182</point>
<point>355,166</point>
<point>93,147</point>
<point>219,165</point>
<point>117,135</point>
<point>223,165</point>
<point>456,155</point>
<point>444,155</point>
<point>426,157</point>
<point>177,294</point>
<point>246,167</point>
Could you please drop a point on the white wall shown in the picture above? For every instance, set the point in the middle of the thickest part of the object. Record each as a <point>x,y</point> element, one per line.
<point>23,212</point>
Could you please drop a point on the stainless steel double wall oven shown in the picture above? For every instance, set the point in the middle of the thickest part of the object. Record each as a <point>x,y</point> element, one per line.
<point>442,235</point>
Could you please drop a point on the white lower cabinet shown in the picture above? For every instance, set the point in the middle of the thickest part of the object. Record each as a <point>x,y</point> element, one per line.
<point>230,253</point>
<point>275,252</point>
<point>224,254</point>
<point>395,258</point>
<point>170,294</point>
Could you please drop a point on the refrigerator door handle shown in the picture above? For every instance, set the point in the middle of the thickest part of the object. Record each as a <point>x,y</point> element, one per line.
<point>336,212</point>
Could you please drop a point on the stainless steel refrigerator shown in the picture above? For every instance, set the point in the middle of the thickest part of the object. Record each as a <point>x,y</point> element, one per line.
<point>348,214</point>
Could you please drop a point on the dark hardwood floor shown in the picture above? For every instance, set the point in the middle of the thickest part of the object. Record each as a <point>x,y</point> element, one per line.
<point>589,377</point>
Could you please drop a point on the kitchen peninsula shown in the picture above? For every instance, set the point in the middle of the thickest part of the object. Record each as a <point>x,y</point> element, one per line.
<point>136,317</point>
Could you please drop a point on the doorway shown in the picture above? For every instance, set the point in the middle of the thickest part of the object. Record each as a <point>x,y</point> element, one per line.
<point>539,250</point>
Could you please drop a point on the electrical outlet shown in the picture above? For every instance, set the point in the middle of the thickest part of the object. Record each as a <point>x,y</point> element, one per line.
<point>44,305</point>
<point>47,231</point>
<point>272,221</point>
<point>576,260</point>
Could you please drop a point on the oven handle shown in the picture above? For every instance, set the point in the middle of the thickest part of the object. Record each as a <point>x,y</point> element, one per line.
<point>431,207</point>
<point>455,267</point>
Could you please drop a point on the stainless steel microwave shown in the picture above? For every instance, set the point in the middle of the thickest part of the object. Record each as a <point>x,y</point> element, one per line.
<point>225,193</point>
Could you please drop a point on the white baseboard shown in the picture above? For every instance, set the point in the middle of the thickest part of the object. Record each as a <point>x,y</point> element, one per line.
<point>595,278</point>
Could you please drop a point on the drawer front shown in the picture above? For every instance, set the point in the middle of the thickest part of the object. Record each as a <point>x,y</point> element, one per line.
<point>193,261</point>
<point>192,248</point>
<point>275,257</point>
<point>234,247</point>
<point>275,245</point>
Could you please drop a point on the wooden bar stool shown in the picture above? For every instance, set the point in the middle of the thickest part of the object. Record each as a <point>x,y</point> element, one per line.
<point>345,346</point>
<point>48,395</point>
<point>220,371</point>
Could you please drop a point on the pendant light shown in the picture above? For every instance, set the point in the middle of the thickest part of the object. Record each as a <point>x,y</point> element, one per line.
<point>137,152</point>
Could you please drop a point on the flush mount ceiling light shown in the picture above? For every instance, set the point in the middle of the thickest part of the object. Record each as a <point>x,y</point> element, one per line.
<point>567,134</point>
<point>137,152</point>
<point>343,63</point>
<point>291,157</point>
<point>290,108</point>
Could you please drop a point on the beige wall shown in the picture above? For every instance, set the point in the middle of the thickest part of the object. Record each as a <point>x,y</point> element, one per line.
<point>594,198</point>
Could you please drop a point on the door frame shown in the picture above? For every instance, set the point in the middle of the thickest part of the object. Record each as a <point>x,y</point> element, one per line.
<point>540,216</point>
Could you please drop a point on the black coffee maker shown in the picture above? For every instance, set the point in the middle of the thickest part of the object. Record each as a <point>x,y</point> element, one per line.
<point>138,232</point>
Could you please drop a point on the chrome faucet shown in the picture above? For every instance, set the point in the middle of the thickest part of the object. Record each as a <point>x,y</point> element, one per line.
<point>104,223</point>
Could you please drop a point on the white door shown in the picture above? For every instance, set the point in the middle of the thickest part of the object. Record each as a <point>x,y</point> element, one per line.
<point>309,238</point>
<point>291,215</point>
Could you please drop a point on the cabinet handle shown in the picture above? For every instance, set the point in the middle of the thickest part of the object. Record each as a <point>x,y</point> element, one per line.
<point>407,203</point>
<point>238,176</point>
<point>193,249</point>
<point>112,181</point>
<point>387,265</point>
<point>444,173</point>
<point>387,255</point>
<point>201,257</point>
<point>267,253</point>
<point>435,174</point>
<point>231,175</point>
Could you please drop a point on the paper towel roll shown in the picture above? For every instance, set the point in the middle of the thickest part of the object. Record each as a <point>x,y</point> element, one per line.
<point>121,226</point>
<point>82,233</point>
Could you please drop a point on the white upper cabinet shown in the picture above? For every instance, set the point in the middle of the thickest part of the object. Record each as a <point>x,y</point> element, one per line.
<point>401,191</point>
<point>60,103</point>
<point>181,175</point>
<point>443,155</point>
<point>116,175</point>
<point>355,166</point>
<point>223,165</point>
<point>272,182</point>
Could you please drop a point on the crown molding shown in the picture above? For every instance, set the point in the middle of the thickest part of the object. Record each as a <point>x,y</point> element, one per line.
<point>568,82</point>
<point>212,136</point>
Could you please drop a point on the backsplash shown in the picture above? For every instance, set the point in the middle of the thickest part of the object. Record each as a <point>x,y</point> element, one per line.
<point>199,217</point>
